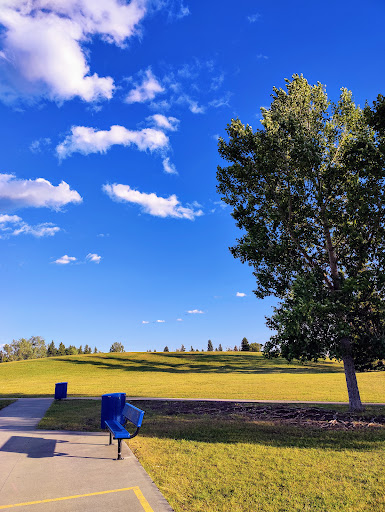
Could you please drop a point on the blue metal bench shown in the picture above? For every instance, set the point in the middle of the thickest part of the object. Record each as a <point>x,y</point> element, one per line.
<point>118,431</point>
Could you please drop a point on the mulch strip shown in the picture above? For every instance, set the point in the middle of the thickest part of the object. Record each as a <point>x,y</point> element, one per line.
<point>315,417</point>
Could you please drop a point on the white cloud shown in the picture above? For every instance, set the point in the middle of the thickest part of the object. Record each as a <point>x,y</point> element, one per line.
<point>193,105</point>
<point>184,11</point>
<point>145,322</point>
<point>37,146</point>
<point>13,225</point>
<point>160,321</point>
<point>217,82</point>
<point>223,101</point>
<point>261,56</point>
<point>253,17</point>
<point>9,218</point>
<point>179,320</point>
<point>195,108</point>
<point>169,167</point>
<point>87,140</point>
<point>195,312</point>
<point>65,260</point>
<point>145,91</point>
<point>17,193</point>
<point>240,294</point>
<point>167,123</point>
<point>95,258</point>
<point>151,203</point>
<point>42,50</point>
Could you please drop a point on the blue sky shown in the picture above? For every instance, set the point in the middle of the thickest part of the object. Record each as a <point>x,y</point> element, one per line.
<point>110,225</point>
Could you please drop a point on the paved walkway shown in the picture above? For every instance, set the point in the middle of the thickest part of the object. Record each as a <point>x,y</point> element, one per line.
<point>51,471</point>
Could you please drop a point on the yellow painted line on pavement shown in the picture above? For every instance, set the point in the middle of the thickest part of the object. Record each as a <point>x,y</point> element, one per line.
<point>137,491</point>
<point>142,500</point>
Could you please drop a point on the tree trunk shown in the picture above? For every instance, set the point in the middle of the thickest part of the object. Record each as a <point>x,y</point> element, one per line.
<point>355,403</point>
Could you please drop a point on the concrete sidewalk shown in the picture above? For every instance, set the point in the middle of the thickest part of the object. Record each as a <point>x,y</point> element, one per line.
<point>51,471</point>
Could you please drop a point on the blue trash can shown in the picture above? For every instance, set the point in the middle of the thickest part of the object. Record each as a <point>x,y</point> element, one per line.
<point>60,390</point>
<point>112,407</point>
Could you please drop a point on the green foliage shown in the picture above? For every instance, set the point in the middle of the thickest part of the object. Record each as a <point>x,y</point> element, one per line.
<point>18,350</point>
<point>51,349</point>
<point>166,349</point>
<point>245,346</point>
<point>210,347</point>
<point>220,347</point>
<point>255,347</point>
<point>117,347</point>
<point>299,338</point>
<point>308,191</point>
<point>61,351</point>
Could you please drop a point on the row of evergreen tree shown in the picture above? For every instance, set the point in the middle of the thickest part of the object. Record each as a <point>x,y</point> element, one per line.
<point>244,347</point>
<point>35,348</point>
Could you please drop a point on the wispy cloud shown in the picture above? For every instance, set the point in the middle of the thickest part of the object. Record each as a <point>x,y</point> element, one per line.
<point>182,13</point>
<point>13,225</point>
<point>151,203</point>
<point>17,193</point>
<point>160,321</point>
<point>146,90</point>
<point>37,146</point>
<point>192,104</point>
<point>145,322</point>
<point>260,56</point>
<point>217,82</point>
<point>193,86</point>
<point>65,260</point>
<point>241,294</point>
<point>254,17</point>
<point>42,53</point>
<point>169,167</point>
<point>195,312</point>
<point>223,101</point>
<point>87,140</point>
<point>179,320</point>
<point>167,123</point>
<point>95,258</point>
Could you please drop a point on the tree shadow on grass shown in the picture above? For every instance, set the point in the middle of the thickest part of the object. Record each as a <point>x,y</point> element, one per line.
<point>166,420</point>
<point>207,429</point>
<point>232,423</point>
<point>203,363</point>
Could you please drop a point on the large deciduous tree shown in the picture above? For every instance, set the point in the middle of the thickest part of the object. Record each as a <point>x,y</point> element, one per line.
<point>308,192</point>
<point>117,347</point>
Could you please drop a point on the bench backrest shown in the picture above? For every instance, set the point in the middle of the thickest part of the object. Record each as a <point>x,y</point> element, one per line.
<point>133,414</point>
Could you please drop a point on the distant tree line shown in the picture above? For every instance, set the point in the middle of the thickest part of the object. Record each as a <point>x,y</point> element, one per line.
<point>35,348</point>
<point>244,347</point>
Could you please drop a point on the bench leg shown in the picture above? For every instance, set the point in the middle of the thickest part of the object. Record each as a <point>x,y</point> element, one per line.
<point>120,449</point>
<point>110,438</point>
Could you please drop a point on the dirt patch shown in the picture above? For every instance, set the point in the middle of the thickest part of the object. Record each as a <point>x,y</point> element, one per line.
<point>283,414</point>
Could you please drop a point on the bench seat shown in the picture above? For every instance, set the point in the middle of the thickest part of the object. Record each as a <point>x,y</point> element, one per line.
<point>117,430</point>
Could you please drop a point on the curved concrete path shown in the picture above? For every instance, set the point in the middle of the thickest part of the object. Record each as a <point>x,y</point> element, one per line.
<point>52,471</point>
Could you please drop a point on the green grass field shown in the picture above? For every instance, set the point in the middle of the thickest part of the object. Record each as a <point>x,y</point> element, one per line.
<point>219,462</point>
<point>187,375</point>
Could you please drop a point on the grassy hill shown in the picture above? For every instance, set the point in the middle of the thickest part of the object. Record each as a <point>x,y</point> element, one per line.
<point>186,375</point>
